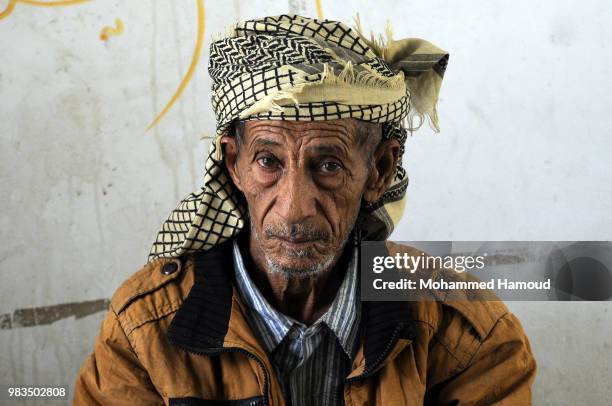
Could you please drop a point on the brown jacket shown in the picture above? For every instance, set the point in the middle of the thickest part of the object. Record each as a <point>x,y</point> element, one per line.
<point>176,334</point>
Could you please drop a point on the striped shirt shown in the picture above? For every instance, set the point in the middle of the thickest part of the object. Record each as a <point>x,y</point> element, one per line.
<point>311,362</point>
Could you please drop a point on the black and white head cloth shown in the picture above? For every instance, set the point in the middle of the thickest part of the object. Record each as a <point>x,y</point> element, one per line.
<point>296,68</point>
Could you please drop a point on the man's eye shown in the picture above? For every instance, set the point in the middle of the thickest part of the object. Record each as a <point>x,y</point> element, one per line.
<point>267,162</point>
<point>330,167</point>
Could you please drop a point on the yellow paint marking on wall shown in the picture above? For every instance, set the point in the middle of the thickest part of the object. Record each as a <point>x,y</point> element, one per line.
<point>58,3</point>
<point>9,9</point>
<point>108,31</point>
<point>319,10</point>
<point>12,3</point>
<point>194,62</point>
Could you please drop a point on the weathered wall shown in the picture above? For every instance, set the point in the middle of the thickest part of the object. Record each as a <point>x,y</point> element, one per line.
<point>524,154</point>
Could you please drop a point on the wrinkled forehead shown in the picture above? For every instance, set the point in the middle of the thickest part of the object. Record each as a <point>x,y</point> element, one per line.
<point>344,129</point>
<point>349,131</point>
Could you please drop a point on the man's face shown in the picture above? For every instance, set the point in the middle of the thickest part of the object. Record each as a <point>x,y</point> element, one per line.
<point>303,182</point>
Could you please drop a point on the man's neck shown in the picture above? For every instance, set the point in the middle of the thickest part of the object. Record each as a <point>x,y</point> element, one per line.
<point>305,299</point>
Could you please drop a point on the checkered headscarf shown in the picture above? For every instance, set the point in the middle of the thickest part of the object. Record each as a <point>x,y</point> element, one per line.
<point>296,68</point>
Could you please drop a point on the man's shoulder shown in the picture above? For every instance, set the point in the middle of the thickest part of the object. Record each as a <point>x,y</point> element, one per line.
<point>461,326</point>
<point>155,291</point>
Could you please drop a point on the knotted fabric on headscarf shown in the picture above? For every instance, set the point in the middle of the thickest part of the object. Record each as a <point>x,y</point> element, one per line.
<point>296,68</point>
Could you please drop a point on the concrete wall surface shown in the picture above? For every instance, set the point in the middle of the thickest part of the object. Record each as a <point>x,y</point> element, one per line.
<point>524,154</point>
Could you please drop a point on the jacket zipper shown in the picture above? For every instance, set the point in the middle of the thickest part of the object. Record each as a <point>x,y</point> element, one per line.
<point>249,354</point>
<point>381,357</point>
<point>398,328</point>
<point>396,331</point>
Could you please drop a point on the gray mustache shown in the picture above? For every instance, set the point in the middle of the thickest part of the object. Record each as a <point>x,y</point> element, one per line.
<point>301,231</point>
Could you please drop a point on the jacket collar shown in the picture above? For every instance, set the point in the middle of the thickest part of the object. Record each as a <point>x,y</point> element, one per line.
<point>202,322</point>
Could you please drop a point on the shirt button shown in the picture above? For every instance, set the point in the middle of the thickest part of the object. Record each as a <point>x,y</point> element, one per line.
<point>169,268</point>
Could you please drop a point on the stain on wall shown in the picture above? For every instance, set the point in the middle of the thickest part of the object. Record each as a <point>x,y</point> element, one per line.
<point>38,316</point>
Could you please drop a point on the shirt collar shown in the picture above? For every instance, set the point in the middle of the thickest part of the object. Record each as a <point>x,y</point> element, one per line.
<point>342,317</point>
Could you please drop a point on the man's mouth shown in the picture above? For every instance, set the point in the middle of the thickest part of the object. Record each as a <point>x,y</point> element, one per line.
<point>297,240</point>
<point>296,236</point>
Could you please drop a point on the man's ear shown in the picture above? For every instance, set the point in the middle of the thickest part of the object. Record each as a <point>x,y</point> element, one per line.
<point>230,154</point>
<point>385,159</point>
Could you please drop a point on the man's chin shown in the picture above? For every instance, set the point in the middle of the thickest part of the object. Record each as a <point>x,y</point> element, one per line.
<point>296,267</point>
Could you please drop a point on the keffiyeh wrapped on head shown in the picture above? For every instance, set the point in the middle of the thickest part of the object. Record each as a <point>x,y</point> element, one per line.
<point>296,68</point>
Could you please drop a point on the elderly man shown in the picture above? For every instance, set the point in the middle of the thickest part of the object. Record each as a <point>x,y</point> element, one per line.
<point>250,296</point>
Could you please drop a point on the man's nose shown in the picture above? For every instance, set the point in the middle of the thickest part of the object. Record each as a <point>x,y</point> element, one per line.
<point>296,199</point>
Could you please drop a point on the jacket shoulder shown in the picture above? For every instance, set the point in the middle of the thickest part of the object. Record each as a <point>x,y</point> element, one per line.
<point>153,292</point>
<point>459,325</point>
